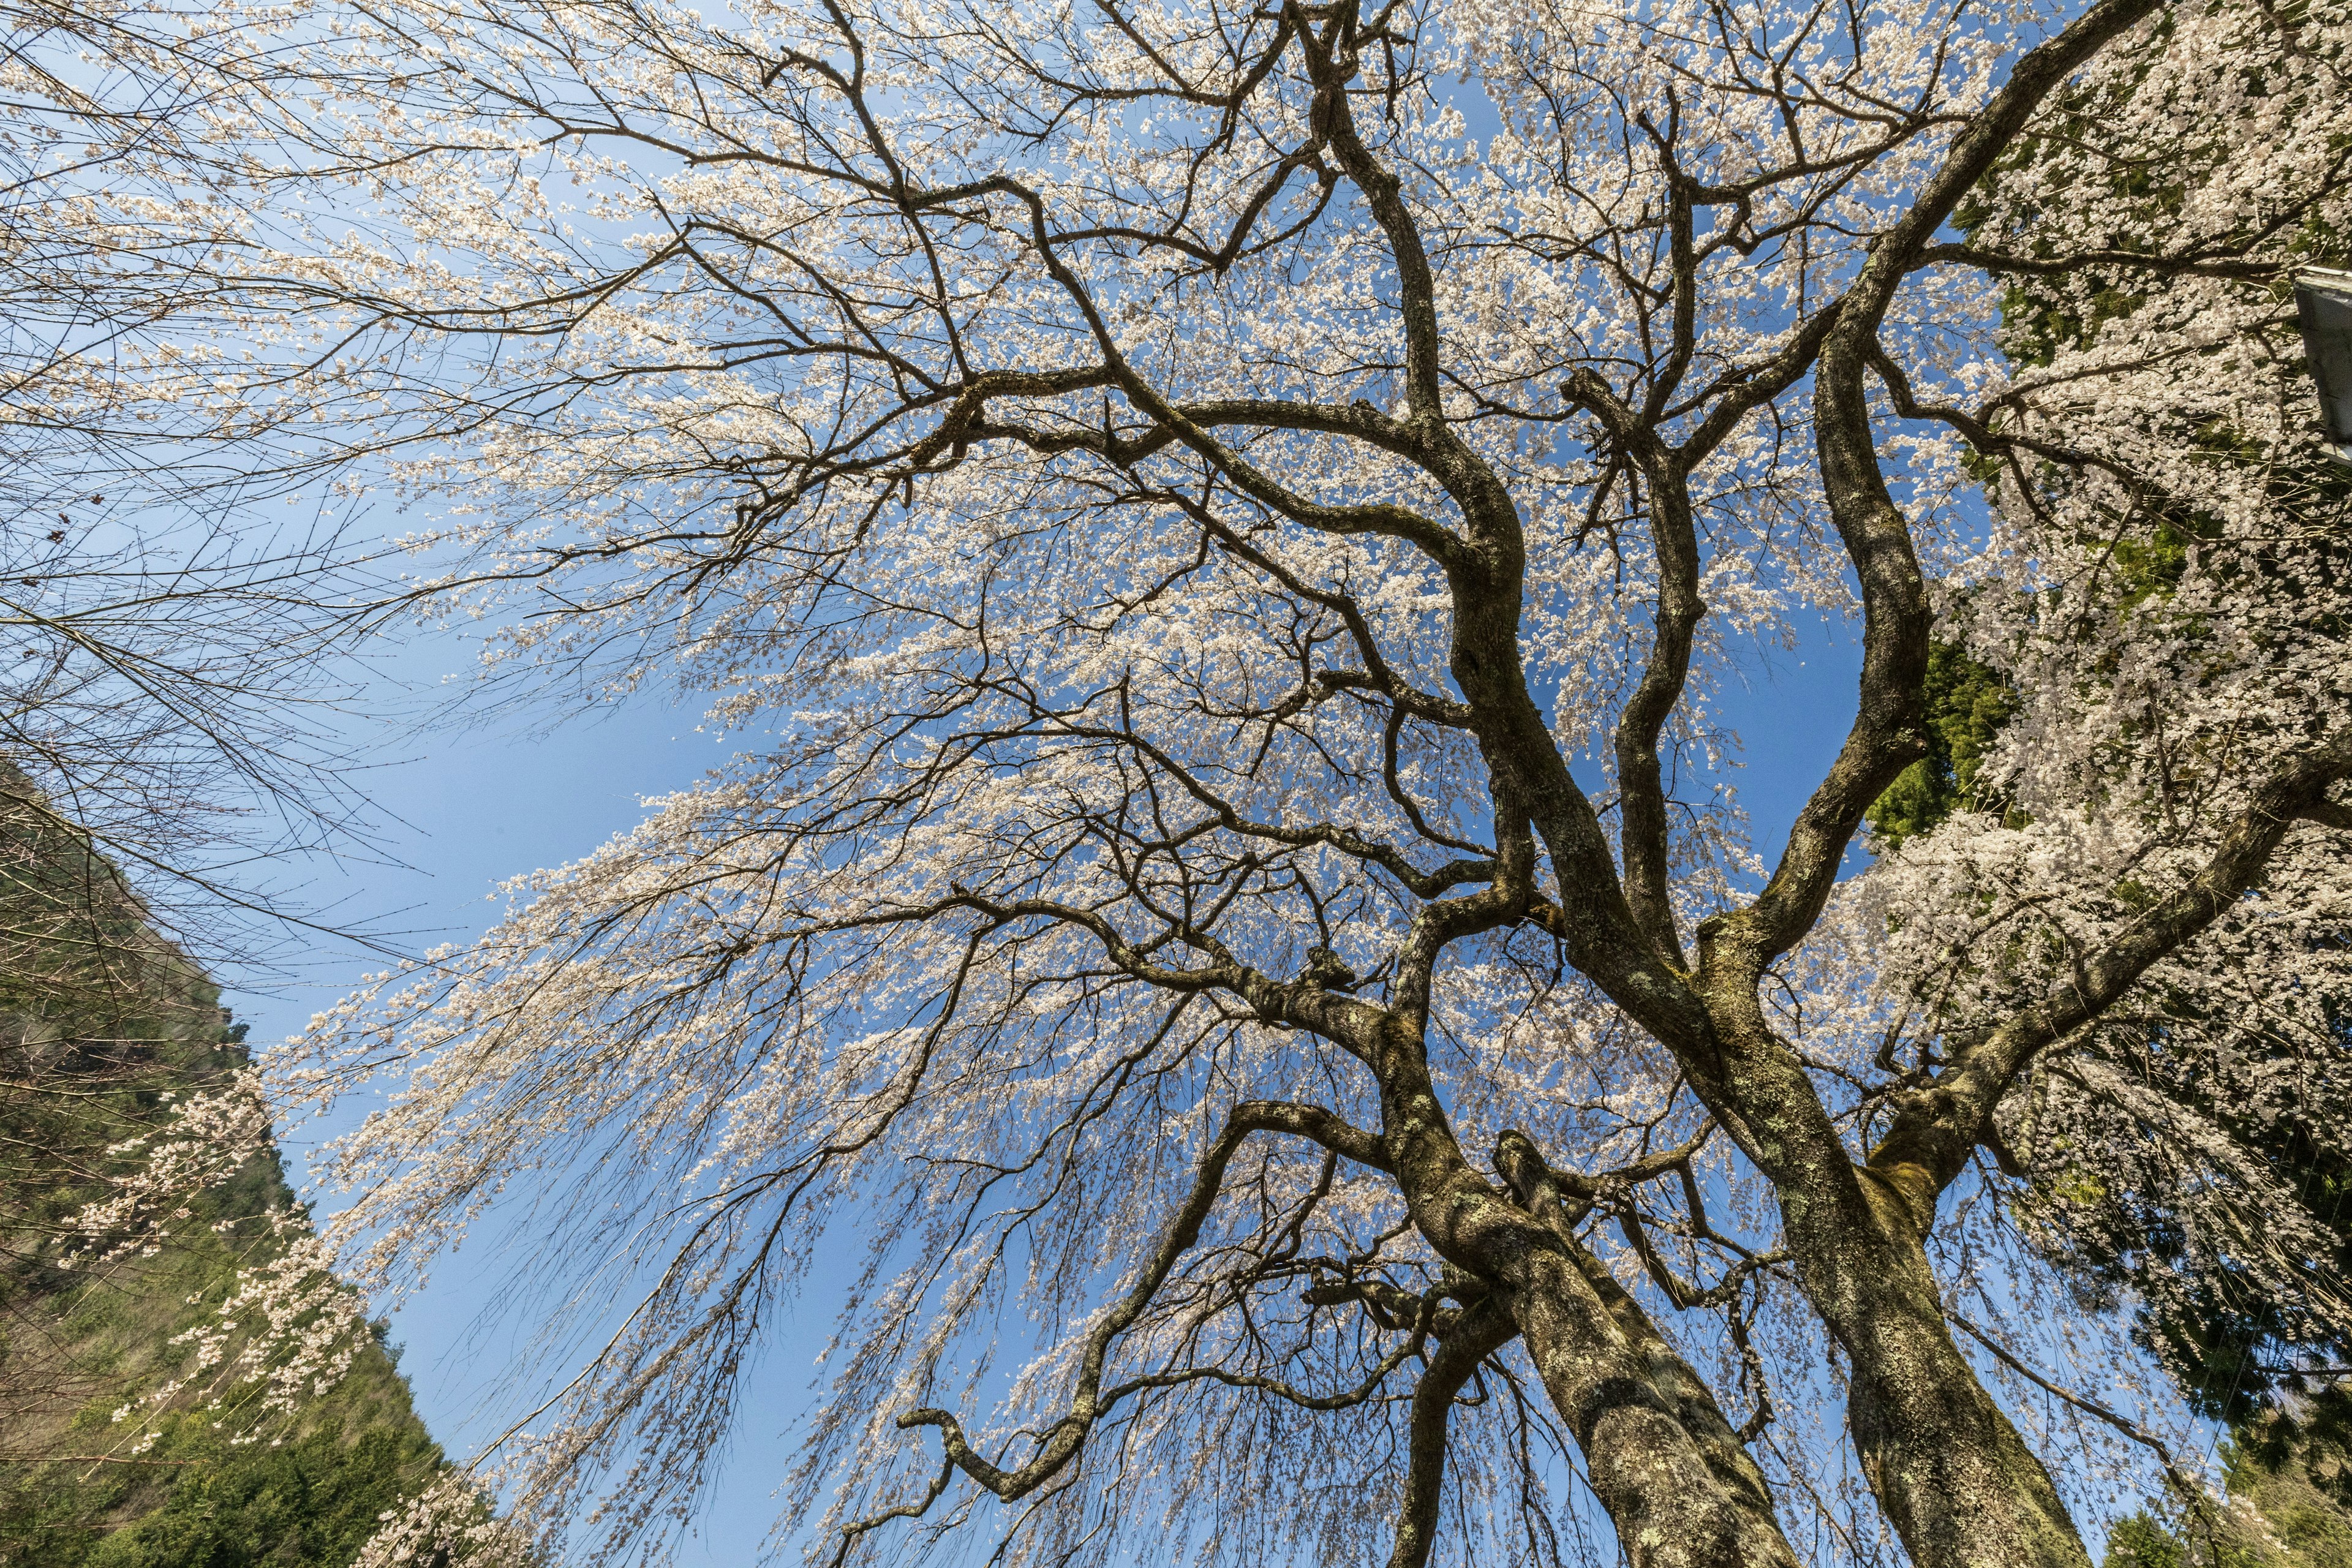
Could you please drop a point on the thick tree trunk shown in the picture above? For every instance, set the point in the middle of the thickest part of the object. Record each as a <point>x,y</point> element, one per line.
<point>1662,1459</point>
<point>1680,1489</point>
<point>1957,1481</point>
<point>1952,1475</point>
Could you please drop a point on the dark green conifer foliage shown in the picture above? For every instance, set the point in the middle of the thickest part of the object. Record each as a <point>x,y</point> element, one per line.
<point>2279,1517</point>
<point>1965,704</point>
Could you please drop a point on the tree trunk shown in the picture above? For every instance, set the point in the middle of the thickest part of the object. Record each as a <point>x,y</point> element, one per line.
<point>1664,1463</point>
<point>1957,1481</point>
<point>1952,1474</point>
<point>1679,1488</point>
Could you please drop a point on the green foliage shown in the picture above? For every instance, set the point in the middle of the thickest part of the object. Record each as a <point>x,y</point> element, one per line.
<point>2280,1512</point>
<point>2313,1434</point>
<point>2223,1333</point>
<point>309,1501</point>
<point>102,1026</point>
<point>214,1492</point>
<point>2140,1542</point>
<point>77,954</point>
<point>1967,703</point>
<point>314,1501</point>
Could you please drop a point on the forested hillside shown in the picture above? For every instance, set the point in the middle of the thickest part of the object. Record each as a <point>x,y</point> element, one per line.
<point>139,1423</point>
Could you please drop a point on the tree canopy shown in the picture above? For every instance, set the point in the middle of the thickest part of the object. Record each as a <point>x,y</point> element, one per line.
<point>1223,531</point>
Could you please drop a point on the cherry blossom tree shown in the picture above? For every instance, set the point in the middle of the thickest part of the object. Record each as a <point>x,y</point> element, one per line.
<point>2191,1149</point>
<point>1229,953</point>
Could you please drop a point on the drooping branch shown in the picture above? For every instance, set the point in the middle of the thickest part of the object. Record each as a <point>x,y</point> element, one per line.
<point>1062,1440</point>
<point>852,1533</point>
<point>2184,1486</point>
<point>1936,1126</point>
<point>1481,1330</point>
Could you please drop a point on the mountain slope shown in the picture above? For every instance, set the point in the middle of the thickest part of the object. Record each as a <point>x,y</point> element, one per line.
<point>133,1433</point>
